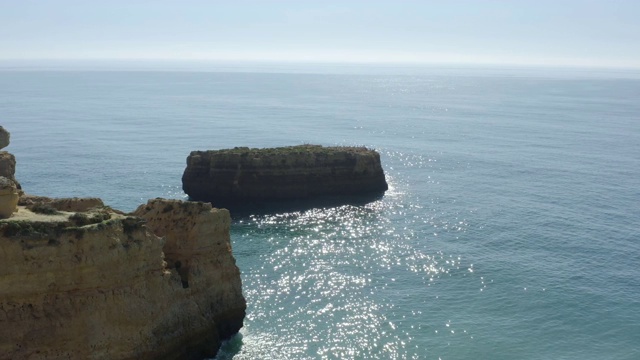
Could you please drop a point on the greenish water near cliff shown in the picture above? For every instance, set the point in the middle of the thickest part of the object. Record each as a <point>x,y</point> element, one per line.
<point>509,230</point>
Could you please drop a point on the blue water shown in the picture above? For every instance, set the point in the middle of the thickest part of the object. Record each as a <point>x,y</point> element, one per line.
<point>510,230</point>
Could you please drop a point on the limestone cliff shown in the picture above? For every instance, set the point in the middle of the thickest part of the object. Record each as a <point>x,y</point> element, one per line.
<point>198,247</point>
<point>233,176</point>
<point>98,285</point>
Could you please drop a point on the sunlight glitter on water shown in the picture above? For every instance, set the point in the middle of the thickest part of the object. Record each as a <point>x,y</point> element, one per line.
<point>332,281</point>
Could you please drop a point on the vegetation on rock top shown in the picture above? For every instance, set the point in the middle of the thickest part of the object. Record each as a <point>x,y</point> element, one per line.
<point>290,150</point>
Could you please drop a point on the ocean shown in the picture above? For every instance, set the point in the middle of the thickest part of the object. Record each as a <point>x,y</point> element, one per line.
<point>510,229</point>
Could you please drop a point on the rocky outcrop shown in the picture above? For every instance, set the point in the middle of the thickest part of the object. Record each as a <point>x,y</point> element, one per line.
<point>98,285</point>
<point>8,167</point>
<point>243,175</point>
<point>74,204</point>
<point>8,197</point>
<point>7,160</point>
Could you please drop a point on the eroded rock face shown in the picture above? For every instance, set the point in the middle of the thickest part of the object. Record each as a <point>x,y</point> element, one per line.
<point>229,177</point>
<point>96,285</point>
<point>198,246</point>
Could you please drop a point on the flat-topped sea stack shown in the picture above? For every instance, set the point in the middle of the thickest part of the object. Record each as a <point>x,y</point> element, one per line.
<point>242,176</point>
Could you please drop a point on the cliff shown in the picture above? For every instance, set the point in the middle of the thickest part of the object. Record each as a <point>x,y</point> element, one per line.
<point>242,175</point>
<point>97,284</point>
<point>198,247</point>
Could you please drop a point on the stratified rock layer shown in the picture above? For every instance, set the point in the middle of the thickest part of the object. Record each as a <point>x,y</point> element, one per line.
<point>95,285</point>
<point>240,175</point>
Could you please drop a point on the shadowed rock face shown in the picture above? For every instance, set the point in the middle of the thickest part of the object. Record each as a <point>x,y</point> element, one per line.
<point>98,285</point>
<point>5,138</point>
<point>242,175</point>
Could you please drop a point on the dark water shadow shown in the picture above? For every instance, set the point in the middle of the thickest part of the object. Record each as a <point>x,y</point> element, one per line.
<point>244,209</point>
<point>230,347</point>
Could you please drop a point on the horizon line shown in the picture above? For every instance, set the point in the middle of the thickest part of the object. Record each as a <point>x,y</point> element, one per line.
<point>379,62</point>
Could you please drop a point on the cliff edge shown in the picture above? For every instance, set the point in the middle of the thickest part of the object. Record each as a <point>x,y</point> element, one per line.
<point>102,285</point>
<point>79,280</point>
<point>238,176</point>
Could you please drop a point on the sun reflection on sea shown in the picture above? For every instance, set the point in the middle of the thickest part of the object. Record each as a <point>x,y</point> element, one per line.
<point>333,283</point>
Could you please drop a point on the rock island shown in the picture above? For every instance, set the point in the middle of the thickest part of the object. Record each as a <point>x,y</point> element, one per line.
<point>247,175</point>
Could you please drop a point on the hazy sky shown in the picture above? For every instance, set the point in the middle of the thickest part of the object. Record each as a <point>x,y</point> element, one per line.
<point>557,32</point>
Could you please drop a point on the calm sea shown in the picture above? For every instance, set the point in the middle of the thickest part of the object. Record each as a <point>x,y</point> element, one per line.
<point>510,230</point>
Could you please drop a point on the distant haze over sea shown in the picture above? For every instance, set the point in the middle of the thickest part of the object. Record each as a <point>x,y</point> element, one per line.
<point>373,68</point>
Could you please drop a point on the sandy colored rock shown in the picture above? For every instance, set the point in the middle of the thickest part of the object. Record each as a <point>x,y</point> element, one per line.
<point>74,204</point>
<point>8,197</point>
<point>5,138</point>
<point>239,175</point>
<point>96,285</point>
<point>197,243</point>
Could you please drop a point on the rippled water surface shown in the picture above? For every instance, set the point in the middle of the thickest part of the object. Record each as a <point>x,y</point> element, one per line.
<point>509,230</point>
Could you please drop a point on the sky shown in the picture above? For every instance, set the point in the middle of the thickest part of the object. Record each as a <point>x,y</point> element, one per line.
<point>604,33</point>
